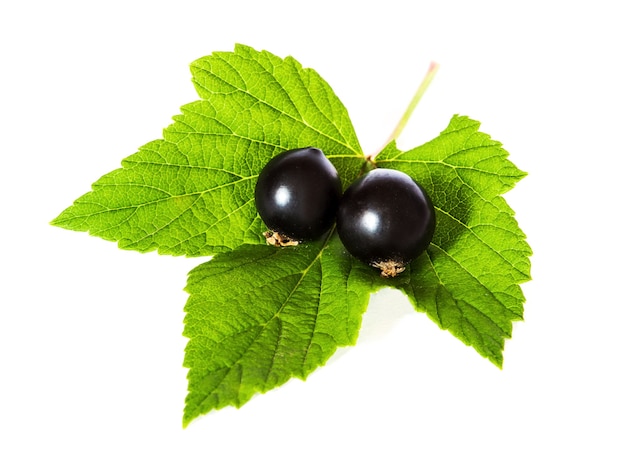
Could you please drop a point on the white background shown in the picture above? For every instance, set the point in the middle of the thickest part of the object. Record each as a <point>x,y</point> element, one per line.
<point>90,336</point>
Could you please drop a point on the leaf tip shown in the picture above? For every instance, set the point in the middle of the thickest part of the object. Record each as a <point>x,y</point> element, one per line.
<point>186,421</point>
<point>60,221</point>
<point>497,359</point>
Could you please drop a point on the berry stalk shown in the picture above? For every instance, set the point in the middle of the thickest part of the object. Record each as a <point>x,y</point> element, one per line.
<point>430,74</point>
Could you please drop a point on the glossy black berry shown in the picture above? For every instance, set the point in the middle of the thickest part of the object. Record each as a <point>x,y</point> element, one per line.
<point>297,195</point>
<point>386,220</point>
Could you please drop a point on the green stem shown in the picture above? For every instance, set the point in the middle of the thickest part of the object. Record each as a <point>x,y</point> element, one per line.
<point>430,74</point>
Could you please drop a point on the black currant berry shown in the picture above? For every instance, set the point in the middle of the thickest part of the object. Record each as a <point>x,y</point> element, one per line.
<point>297,195</point>
<point>386,220</point>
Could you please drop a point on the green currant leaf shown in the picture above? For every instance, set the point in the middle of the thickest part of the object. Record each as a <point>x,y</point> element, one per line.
<point>468,280</point>
<point>259,315</point>
<point>284,313</point>
<point>192,192</point>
